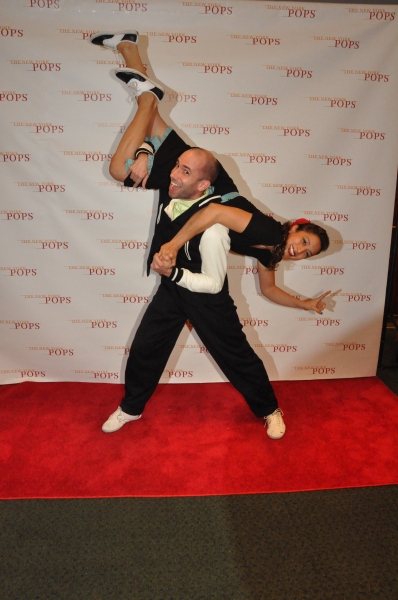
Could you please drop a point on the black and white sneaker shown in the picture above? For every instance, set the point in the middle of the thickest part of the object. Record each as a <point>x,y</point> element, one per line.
<point>111,40</point>
<point>139,83</point>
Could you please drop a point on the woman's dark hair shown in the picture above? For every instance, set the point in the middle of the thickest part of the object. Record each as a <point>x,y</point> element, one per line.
<point>279,250</point>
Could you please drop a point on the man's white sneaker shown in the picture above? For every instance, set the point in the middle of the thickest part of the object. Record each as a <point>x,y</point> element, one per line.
<point>117,420</point>
<point>111,40</point>
<point>275,426</point>
<point>139,83</point>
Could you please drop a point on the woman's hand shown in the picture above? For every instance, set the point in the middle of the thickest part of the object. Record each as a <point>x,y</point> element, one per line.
<point>138,171</point>
<point>161,266</point>
<point>169,252</point>
<point>316,304</point>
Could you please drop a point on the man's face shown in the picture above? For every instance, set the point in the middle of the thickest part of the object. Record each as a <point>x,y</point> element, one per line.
<point>186,179</point>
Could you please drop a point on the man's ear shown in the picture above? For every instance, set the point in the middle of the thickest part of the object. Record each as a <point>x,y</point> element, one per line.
<point>203,185</point>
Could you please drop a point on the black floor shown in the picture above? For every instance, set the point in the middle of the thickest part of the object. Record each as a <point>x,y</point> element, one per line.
<point>324,545</point>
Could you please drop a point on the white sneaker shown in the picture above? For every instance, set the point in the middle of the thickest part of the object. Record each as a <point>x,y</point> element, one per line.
<point>111,40</point>
<point>139,83</point>
<point>117,420</point>
<point>275,426</point>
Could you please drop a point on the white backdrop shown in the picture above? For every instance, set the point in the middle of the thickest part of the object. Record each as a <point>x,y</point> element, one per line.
<point>298,101</point>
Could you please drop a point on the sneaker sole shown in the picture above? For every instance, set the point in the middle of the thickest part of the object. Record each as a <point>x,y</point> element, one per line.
<point>101,33</point>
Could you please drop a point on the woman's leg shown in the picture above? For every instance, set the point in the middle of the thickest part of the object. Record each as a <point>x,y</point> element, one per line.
<point>146,123</point>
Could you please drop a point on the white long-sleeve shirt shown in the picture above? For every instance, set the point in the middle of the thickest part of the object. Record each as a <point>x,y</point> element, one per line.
<point>214,247</point>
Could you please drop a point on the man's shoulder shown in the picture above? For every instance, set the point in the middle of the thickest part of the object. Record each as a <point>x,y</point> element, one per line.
<point>242,203</point>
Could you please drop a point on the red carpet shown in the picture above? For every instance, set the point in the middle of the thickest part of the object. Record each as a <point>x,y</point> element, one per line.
<point>195,440</point>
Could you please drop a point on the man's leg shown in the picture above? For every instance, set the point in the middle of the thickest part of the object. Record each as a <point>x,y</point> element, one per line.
<point>218,326</point>
<point>152,345</point>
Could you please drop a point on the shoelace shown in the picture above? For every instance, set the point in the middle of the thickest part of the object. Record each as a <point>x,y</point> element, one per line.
<point>277,413</point>
<point>133,86</point>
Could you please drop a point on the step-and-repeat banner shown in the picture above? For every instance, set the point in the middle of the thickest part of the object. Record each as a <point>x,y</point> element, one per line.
<point>298,101</point>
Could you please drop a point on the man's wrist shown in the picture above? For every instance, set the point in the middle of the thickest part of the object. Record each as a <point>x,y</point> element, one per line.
<point>176,274</point>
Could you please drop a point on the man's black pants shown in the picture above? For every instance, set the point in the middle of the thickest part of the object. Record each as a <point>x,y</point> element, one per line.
<point>216,321</point>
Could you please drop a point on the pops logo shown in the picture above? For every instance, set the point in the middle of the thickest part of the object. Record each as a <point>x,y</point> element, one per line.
<point>208,129</point>
<point>16,215</point>
<point>14,157</point>
<point>20,271</point>
<point>334,161</point>
<point>43,4</point>
<point>365,134</point>
<point>60,352</point>
<point>346,346</point>
<point>41,127</point>
<point>358,244</point>
<point>253,322</point>
<point>287,188</point>
<point>47,244</point>
<point>375,14</point>
<point>106,375</point>
<point>259,40</point>
<point>13,97</point>
<point>210,68</point>
<point>6,31</point>
<point>355,297</point>
<point>325,270</point>
<point>296,12</point>
<point>96,270</point>
<point>92,215</point>
<point>370,76</point>
<point>96,323</point>
<point>331,217</point>
<point>125,349</point>
<point>361,190</point>
<point>334,102</point>
<point>39,66</point>
<point>128,6</point>
<point>255,158</point>
<point>179,97</point>
<point>289,131</point>
<point>339,42</point>
<point>258,99</point>
<point>128,298</point>
<point>318,370</point>
<point>84,33</point>
<point>32,374</point>
<point>278,348</point>
<point>177,374</point>
<point>321,322</point>
<point>51,299</point>
<point>22,325</point>
<point>295,72</point>
<point>88,96</point>
<point>43,186</point>
<point>202,349</point>
<point>211,8</point>
<point>127,244</point>
<point>176,38</point>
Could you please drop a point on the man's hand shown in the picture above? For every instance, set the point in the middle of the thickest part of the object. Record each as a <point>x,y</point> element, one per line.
<point>316,304</point>
<point>138,171</point>
<point>161,266</point>
<point>169,252</point>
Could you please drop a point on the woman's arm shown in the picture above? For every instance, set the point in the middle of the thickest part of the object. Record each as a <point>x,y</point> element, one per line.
<point>232,218</point>
<point>275,294</point>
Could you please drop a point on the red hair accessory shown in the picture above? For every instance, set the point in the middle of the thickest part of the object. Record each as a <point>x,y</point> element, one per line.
<point>300,222</point>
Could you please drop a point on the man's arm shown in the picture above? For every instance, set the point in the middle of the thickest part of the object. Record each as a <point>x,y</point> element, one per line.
<point>214,247</point>
<point>232,218</point>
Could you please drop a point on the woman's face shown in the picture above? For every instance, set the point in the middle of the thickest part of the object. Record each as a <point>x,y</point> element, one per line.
<point>301,244</point>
